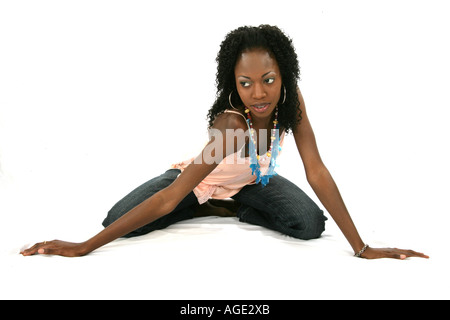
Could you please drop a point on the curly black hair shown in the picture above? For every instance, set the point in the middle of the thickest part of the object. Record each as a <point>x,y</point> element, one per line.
<point>279,46</point>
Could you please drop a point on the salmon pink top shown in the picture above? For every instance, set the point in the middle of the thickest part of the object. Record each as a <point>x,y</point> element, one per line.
<point>230,175</point>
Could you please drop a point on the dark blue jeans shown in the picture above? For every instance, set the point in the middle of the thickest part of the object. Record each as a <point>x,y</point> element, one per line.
<point>280,206</point>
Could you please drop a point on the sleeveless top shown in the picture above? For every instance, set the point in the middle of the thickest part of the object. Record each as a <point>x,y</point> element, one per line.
<point>230,175</point>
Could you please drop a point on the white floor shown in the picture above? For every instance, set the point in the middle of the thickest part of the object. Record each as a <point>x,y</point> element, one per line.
<point>221,258</point>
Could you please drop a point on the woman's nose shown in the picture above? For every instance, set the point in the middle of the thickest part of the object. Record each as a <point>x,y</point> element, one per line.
<point>258,92</point>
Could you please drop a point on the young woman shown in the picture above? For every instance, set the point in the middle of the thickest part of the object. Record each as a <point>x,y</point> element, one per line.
<point>258,102</point>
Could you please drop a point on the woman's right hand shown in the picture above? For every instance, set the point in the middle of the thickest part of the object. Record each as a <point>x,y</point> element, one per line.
<point>57,247</point>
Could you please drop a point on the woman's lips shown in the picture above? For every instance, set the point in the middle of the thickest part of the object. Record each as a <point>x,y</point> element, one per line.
<point>260,107</point>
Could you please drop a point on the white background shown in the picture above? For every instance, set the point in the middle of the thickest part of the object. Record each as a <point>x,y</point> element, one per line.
<point>96,97</point>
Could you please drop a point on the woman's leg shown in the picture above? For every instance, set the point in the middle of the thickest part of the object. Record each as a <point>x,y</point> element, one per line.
<point>184,210</point>
<point>281,206</point>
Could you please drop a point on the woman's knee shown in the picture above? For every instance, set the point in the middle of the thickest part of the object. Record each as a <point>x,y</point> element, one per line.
<point>309,225</point>
<point>316,225</point>
<point>139,195</point>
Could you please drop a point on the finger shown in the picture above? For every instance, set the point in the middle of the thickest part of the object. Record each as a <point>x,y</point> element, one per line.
<point>412,253</point>
<point>32,250</point>
<point>37,248</point>
<point>48,247</point>
<point>395,253</point>
<point>46,251</point>
<point>399,256</point>
<point>418,254</point>
<point>403,254</point>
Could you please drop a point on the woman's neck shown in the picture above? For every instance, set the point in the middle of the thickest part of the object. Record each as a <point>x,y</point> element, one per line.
<point>263,123</point>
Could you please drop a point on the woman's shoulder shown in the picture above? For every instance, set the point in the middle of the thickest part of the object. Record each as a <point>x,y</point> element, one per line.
<point>230,120</point>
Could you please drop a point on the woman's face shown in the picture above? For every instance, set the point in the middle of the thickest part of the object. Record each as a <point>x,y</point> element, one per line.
<point>258,81</point>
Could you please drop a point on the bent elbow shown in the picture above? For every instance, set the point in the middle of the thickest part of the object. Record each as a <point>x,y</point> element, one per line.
<point>315,176</point>
<point>168,201</point>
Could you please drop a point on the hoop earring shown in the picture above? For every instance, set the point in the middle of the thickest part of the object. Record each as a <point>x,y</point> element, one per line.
<point>229,100</point>
<point>284,98</point>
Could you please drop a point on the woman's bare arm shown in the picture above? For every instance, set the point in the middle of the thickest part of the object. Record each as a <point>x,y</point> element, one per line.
<point>327,191</point>
<point>158,205</point>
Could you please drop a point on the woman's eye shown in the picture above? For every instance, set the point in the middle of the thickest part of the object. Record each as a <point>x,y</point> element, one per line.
<point>245,84</point>
<point>270,80</point>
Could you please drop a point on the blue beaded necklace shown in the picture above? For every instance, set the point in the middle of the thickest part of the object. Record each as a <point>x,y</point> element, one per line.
<point>271,154</point>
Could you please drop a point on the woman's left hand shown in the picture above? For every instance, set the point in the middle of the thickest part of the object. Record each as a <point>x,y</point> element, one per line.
<point>394,253</point>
